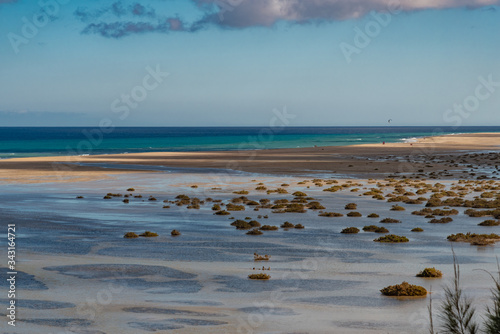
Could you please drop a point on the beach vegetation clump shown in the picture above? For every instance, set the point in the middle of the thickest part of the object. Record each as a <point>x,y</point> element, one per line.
<point>194,186</point>
<point>259,276</point>
<point>151,198</point>
<point>398,199</point>
<point>351,206</point>
<point>295,207</point>
<point>79,197</point>
<point>354,214</point>
<point>252,203</point>
<point>126,200</point>
<point>397,208</point>
<point>315,206</point>
<point>390,221</point>
<point>430,273</point>
<point>234,207</point>
<point>137,196</point>
<point>474,239</point>
<point>287,225</point>
<point>130,189</point>
<point>299,226</point>
<point>331,214</point>
<point>130,235</point>
<point>490,222</point>
<point>175,233</point>
<point>373,215</point>
<point>299,194</point>
<point>255,231</point>
<point>392,238</point>
<point>261,188</point>
<point>107,197</point>
<point>148,234</point>
<point>241,192</point>
<point>333,189</point>
<point>417,229</point>
<point>269,228</point>
<point>404,290</point>
<point>350,230</point>
<point>254,223</point>
<point>241,225</point>
<point>375,228</point>
<point>222,213</point>
<point>216,207</point>
<point>183,197</point>
<point>444,220</point>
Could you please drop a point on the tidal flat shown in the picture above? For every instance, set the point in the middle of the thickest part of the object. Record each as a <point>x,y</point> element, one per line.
<point>80,275</point>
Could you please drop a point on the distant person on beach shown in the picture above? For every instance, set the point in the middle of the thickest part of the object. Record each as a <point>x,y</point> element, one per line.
<point>383,143</point>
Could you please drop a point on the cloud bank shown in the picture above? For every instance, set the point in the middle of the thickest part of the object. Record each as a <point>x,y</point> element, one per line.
<point>119,20</point>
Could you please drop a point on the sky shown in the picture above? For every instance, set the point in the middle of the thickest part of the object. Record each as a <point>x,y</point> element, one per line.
<point>242,62</point>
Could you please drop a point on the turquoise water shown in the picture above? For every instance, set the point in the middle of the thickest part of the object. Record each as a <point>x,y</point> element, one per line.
<point>50,141</point>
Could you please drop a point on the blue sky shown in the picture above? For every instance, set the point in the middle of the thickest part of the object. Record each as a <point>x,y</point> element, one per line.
<point>232,62</point>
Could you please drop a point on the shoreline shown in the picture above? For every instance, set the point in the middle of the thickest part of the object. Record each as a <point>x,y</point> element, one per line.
<point>363,160</point>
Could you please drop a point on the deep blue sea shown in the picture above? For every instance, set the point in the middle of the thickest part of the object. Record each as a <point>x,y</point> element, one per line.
<point>47,141</point>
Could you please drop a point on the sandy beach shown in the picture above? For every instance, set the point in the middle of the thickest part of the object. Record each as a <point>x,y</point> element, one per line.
<point>365,161</point>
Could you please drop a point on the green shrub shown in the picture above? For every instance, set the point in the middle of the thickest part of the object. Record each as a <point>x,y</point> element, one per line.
<point>417,229</point>
<point>233,207</point>
<point>392,238</point>
<point>375,228</point>
<point>216,207</point>
<point>287,225</point>
<point>222,213</point>
<point>148,234</point>
<point>354,214</point>
<point>397,208</point>
<point>269,228</point>
<point>390,221</point>
<point>257,257</point>
<point>404,290</point>
<point>254,232</point>
<point>430,273</point>
<point>315,206</point>
<point>241,225</point>
<point>490,223</point>
<point>259,276</point>
<point>373,215</point>
<point>299,194</point>
<point>129,235</point>
<point>241,192</point>
<point>299,226</point>
<point>331,214</point>
<point>350,230</point>
<point>130,189</point>
<point>175,233</point>
<point>444,220</point>
<point>351,206</point>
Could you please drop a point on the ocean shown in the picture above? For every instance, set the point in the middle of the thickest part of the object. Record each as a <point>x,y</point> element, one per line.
<point>16,142</point>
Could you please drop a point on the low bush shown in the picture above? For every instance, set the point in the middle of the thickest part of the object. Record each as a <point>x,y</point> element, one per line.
<point>269,228</point>
<point>299,226</point>
<point>331,214</point>
<point>417,229</point>
<point>354,214</point>
<point>392,238</point>
<point>129,235</point>
<point>430,273</point>
<point>390,221</point>
<point>444,220</point>
<point>490,223</point>
<point>287,225</point>
<point>175,233</point>
<point>350,230</point>
<point>351,206</point>
<point>404,290</point>
<point>259,276</point>
<point>397,208</point>
<point>373,215</point>
<point>148,234</point>
<point>254,232</point>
